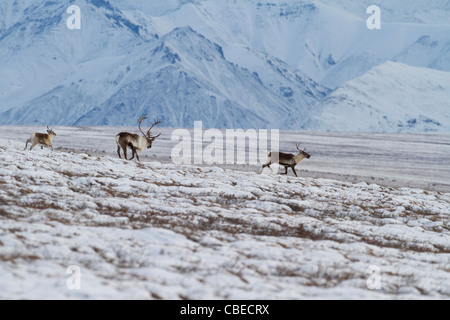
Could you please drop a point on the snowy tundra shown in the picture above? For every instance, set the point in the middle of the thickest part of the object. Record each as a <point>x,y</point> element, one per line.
<point>156,230</point>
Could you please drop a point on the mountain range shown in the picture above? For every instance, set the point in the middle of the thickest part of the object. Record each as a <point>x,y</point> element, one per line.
<point>310,65</point>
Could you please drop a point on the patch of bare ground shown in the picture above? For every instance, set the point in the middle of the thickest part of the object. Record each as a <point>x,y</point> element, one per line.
<point>328,277</point>
<point>322,277</point>
<point>121,258</point>
<point>18,257</point>
<point>392,242</point>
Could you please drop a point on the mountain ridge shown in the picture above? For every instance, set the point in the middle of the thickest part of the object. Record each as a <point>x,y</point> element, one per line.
<point>419,103</point>
<point>269,65</point>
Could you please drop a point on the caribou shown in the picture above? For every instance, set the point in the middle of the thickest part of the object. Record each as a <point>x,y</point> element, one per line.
<point>135,141</point>
<point>286,159</point>
<point>42,139</point>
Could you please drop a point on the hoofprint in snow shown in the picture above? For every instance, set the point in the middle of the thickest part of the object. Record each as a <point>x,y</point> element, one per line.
<point>164,231</point>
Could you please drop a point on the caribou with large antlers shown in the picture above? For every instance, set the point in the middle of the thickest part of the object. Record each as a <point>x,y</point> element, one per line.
<point>286,159</point>
<point>135,141</point>
<point>42,139</point>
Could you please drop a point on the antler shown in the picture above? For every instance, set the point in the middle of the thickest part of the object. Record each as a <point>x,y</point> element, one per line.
<point>142,118</point>
<point>155,122</point>
<point>298,145</point>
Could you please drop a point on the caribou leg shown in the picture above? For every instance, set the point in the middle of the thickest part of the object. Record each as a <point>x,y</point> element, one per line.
<point>268,164</point>
<point>125,152</point>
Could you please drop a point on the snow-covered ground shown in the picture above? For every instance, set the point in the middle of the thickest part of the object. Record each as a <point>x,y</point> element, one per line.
<point>155,230</point>
<point>393,160</point>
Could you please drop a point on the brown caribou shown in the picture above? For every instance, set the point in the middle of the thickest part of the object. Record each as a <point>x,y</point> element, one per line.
<point>286,159</point>
<point>135,141</point>
<point>42,139</point>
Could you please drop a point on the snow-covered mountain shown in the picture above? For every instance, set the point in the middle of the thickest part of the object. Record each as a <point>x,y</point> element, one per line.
<point>249,63</point>
<point>186,75</point>
<point>392,97</point>
<point>328,41</point>
<point>126,70</point>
